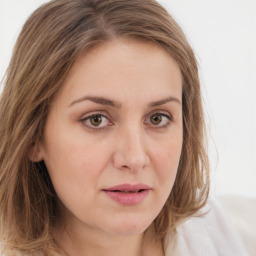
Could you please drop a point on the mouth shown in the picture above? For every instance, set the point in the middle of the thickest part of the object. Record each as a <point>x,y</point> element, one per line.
<point>127,191</point>
<point>127,194</point>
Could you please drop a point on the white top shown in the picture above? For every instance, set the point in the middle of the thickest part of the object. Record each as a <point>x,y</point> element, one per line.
<point>209,235</point>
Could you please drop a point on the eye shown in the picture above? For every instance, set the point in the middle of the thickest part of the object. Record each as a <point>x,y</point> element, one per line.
<point>160,120</point>
<point>156,119</point>
<point>96,121</point>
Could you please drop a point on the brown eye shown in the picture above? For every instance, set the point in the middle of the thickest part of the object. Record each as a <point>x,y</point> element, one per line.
<point>95,120</point>
<point>159,120</point>
<point>156,119</point>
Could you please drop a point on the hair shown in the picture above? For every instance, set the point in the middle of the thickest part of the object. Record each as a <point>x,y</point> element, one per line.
<point>51,41</point>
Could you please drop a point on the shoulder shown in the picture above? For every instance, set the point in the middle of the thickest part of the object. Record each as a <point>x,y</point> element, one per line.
<point>210,234</point>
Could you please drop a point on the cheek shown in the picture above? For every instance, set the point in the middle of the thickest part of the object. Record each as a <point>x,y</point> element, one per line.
<point>74,172</point>
<point>72,160</point>
<point>69,149</point>
<point>72,163</point>
<point>166,161</point>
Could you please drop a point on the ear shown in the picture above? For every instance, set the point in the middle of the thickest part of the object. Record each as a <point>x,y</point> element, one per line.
<point>35,153</point>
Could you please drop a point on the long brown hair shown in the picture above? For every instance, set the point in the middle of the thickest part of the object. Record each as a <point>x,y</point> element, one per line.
<point>52,39</point>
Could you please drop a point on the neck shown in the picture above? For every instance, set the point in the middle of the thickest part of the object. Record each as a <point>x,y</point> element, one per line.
<point>93,243</point>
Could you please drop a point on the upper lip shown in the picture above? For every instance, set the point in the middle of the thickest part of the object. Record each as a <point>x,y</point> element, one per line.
<point>128,187</point>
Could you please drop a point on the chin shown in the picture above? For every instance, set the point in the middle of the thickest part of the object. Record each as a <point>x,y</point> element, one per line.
<point>129,228</point>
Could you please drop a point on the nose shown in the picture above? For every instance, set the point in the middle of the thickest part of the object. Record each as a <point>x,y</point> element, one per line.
<point>131,151</point>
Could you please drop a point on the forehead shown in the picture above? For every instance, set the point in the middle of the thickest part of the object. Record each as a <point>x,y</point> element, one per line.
<point>124,66</point>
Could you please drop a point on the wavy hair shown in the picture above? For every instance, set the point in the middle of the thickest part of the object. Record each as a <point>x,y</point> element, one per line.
<point>51,40</point>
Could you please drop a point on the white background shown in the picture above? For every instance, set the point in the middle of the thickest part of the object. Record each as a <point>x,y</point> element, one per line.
<point>223,35</point>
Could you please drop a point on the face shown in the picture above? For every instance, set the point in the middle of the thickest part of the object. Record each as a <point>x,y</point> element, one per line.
<point>113,137</point>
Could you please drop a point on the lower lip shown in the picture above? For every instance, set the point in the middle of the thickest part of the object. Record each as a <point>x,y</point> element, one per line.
<point>128,198</point>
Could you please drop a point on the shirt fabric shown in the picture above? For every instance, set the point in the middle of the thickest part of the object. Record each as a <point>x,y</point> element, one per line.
<point>207,235</point>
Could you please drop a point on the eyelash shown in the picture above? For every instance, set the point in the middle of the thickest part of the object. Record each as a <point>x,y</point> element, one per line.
<point>90,126</point>
<point>169,120</point>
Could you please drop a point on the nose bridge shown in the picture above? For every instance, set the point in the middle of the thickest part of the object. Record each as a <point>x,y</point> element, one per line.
<point>131,150</point>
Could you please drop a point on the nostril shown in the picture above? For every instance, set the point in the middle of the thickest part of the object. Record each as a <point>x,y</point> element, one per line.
<point>125,159</point>
<point>126,167</point>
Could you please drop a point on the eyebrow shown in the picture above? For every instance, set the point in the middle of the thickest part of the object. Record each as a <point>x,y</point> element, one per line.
<point>163,101</point>
<point>98,100</point>
<point>112,103</point>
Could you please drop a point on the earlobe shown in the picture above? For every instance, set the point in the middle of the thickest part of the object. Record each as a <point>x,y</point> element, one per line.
<point>35,153</point>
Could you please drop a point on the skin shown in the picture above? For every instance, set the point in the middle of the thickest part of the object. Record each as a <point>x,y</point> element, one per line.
<point>131,144</point>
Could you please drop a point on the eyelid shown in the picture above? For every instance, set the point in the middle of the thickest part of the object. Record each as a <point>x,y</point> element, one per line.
<point>162,113</point>
<point>92,114</point>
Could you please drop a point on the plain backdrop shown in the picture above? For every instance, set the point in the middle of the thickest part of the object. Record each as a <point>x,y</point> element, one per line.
<point>223,35</point>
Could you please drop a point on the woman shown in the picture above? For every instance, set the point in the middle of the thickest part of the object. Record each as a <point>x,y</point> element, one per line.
<point>102,136</point>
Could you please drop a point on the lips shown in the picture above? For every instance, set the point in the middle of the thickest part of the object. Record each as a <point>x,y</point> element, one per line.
<point>127,194</point>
